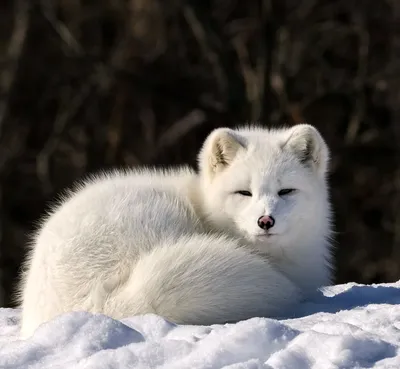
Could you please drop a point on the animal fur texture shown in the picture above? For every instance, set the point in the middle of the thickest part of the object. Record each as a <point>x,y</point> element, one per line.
<point>248,235</point>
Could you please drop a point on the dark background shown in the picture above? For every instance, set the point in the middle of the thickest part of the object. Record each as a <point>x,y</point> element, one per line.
<point>90,84</point>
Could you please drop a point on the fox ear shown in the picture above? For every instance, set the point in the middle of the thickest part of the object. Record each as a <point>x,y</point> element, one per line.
<point>219,150</point>
<point>309,146</point>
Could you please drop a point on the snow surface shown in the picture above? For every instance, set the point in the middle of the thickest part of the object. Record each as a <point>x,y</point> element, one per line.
<point>344,326</point>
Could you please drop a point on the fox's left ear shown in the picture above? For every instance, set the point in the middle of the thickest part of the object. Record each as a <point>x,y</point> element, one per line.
<point>219,151</point>
<point>308,144</point>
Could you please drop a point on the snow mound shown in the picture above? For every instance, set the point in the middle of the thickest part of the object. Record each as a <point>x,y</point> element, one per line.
<point>344,326</point>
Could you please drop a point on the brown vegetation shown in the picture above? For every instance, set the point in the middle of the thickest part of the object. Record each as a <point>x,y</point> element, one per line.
<point>90,84</point>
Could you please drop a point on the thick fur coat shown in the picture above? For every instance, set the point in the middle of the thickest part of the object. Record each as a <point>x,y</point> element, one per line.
<point>246,236</point>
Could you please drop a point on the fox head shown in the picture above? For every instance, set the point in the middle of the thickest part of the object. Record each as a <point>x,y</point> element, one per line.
<point>268,186</point>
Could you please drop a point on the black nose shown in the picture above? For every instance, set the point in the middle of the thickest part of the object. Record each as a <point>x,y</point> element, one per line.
<point>266,222</point>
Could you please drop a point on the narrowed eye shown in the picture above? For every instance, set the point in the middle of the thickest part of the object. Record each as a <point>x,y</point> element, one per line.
<point>285,191</point>
<point>244,193</point>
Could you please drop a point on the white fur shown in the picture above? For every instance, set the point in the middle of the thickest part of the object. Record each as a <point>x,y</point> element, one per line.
<point>184,245</point>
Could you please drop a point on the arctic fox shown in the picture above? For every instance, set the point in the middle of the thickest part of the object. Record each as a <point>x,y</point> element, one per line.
<point>248,235</point>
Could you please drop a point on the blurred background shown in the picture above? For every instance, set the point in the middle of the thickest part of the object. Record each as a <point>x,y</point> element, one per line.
<point>87,85</point>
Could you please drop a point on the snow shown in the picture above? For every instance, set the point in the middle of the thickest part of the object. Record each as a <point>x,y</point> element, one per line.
<point>343,326</point>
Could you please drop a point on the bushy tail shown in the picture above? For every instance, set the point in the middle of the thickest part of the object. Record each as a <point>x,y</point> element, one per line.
<point>202,280</point>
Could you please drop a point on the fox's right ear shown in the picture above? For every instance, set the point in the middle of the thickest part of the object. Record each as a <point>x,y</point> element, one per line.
<point>308,144</point>
<point>219,150</point>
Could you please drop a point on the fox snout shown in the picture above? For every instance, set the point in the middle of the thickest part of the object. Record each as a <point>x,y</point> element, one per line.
<point>266,222</point>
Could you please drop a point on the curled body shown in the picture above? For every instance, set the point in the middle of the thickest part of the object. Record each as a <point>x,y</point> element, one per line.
<point>247,235</point>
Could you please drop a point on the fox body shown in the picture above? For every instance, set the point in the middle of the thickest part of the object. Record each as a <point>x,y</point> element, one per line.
<point>248,235</point>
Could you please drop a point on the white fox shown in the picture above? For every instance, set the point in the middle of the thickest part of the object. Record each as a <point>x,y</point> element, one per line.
<point>249,235</point>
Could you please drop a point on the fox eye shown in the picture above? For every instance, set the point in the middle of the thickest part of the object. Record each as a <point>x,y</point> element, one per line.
<point>244,193</point>
<point>285,191</point>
